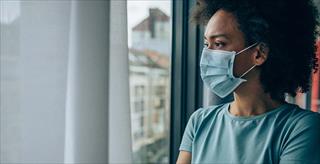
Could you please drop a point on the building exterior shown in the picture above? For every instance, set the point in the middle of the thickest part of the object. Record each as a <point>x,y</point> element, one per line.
<point>150,87</point>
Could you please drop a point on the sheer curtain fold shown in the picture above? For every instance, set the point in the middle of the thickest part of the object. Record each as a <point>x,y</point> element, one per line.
<point>119,105</point>
<point>95,63</point>
<point>32,80</point>
<point>87,87</point>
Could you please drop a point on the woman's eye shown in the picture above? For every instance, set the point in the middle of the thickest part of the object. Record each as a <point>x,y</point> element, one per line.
<point>218,44</point>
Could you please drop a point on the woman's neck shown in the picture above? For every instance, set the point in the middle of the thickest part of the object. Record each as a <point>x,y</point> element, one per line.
<point>251,100</point>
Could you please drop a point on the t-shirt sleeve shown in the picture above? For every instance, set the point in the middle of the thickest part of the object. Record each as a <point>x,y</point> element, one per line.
<point>188,135</point>
<point>303,144</point>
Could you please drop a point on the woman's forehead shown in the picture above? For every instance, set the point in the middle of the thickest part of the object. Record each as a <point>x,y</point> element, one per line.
<point>222,23</point>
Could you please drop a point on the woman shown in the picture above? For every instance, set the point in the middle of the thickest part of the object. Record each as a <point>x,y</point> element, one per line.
<point>260,50</point>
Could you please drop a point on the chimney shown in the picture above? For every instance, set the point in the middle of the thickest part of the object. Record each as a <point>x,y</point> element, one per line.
<point>153,18</point>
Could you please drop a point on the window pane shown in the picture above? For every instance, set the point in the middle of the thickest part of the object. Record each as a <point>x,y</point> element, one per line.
<point>149,43</point>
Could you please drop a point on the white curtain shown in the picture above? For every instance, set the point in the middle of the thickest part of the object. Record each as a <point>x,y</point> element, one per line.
<point>64,82</point>
<point>119,122</point>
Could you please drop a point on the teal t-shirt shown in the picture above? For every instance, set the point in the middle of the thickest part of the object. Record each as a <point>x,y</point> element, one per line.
<point>287,134</point>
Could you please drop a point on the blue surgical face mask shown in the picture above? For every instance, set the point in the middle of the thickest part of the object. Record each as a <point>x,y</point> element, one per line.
<point>216,68</point>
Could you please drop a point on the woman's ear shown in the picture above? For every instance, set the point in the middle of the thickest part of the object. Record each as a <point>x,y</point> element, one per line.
<point>262,54</point>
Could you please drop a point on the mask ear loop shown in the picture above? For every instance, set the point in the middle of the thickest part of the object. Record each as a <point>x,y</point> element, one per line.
<point>253,65</point>
<point>247,71</point>
<point>247,48</point>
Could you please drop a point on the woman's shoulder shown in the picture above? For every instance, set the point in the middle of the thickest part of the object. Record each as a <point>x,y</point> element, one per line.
<point>299,117</point>
<point>307,117</point>
<point>205,112</point>
<point>299,113</point>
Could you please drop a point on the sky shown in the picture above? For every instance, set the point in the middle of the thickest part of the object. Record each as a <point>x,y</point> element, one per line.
<point>139,10</point>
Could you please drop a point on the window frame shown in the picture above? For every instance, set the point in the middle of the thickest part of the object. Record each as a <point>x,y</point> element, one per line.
<point>186,83</point>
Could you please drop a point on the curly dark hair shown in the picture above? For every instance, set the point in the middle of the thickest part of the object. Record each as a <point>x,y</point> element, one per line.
<point>287,27</point>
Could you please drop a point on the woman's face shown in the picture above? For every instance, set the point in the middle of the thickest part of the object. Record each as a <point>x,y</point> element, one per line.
<point>222,33</point>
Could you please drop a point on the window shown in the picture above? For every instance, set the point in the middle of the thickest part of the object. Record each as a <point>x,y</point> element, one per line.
<point>149,43</point>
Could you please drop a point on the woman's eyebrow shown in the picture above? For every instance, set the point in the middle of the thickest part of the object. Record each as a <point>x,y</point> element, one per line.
<point>216,36</point>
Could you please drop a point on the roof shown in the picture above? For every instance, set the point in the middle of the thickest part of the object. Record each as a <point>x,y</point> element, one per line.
<point>155,14</point>
<point>148,58</point>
